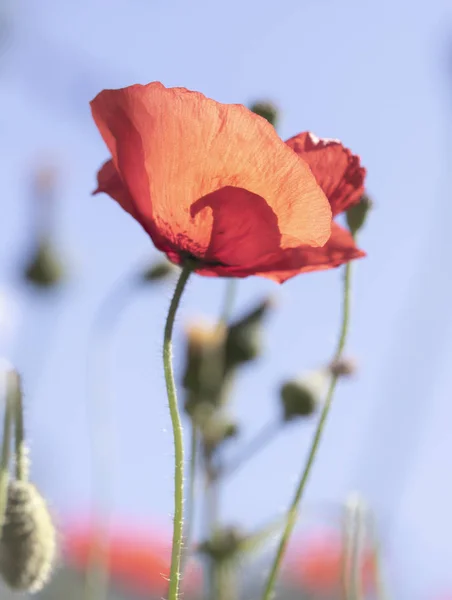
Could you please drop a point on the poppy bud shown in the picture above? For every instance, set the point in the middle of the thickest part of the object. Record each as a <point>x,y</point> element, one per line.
<point>267,110</point>
<point>217,430</point>
<point>357,214</point>
<point>342,367</point>
<point>302,397</point>
<point>224,545</point>
<point>204,364</point>
<point>243,340</point>
<point>44,269</point>
<point>28,539</point>
<point>162,269</point>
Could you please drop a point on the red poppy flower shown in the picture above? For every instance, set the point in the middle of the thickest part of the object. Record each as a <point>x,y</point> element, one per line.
<point>139,562</point>
<point>214,182</point>
<point>317,566</point>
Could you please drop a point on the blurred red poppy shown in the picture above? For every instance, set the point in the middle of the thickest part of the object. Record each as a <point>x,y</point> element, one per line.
<point>317,564</point>
<point>139,562</point>
<point>207,180</point>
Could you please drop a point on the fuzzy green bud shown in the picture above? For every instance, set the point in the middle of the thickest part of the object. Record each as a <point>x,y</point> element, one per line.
<point>218,429</point>
<point>357,214</point>
<point>44,270</point>
<point>28,539</point>
<point>204,365</point>
<point>243,340</point>
<point>302,397</point>
<point>224,545</point>
<point>159,271</point>
<point>267,110</point>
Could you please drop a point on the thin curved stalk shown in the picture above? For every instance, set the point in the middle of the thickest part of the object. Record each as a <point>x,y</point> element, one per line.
<point>178,525</point>
<point>293,510</point>
<point>10,381</point>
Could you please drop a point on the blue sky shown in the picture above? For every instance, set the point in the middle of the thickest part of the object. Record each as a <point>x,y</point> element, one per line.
<point>372,74</point>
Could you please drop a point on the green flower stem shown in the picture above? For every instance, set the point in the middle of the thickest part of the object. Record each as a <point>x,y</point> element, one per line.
<point>191,496</point>
<point>21,451</point>
<point>178,528</point>
<point>228,303</point>
<point>10,377</point>
<point>380,585</point>
<point>293,510</point>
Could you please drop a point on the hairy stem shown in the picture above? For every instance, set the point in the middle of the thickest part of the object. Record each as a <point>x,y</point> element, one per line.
<point>10,383</point>
<point>293,510</point>
<point>178,527</point>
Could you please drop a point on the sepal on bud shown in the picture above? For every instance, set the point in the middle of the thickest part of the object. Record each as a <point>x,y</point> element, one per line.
<point>44,269</point>
<point>267,110</point>
<point>243,340</point>
<point>159,271</point>
<point>302,397</point>
<point>357,214</point>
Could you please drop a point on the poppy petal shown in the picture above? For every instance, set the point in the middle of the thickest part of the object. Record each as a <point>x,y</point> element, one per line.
<point>337,170</point>
<point>339,249</point>
<point>173,147</point>
<point>109,181</point>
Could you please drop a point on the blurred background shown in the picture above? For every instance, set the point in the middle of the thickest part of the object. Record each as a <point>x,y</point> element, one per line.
<point>376,75</point>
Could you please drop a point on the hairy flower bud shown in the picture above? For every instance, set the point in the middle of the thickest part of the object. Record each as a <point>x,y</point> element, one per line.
<point>44,269</point>
<point>159,271</point>
<point>267,110</point>
<point>28,539</point>
<point>302,397</point>
<point>224,544</point>
<point>357,214</point>
<point>243,340</point>
<point>204,365</point>
<point>217,429</point>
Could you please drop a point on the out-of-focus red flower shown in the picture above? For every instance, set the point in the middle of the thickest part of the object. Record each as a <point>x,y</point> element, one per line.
<point>210,181</point>
<point>316,565</point>
<point>139,562</point>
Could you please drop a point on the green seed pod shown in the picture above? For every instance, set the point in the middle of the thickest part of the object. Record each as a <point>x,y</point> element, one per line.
<point>44,269</point>
<point>218,429</point>
<point>204,366</point>
<point>267,110</point>
<point>28,539</point>
<point>224,545</point>
<point>302,397</point>
<point>243,340</point>
<point>159,271</point>
<point>357,214</point>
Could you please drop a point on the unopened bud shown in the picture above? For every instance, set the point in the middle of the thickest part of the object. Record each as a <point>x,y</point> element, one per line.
<point>267,110</point>
<point>217,430</point>
<point>224,545</point>
<point>28,539</point>
<point>44,269</point>
<point>204,364</point>
<point>302,397</point>
<point>158,271</point>
<point>357,214</point>
<point>243,341</point>
<point>342,367</point>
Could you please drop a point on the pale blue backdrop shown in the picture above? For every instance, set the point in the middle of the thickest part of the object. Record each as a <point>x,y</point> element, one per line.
<point>376,75</point>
